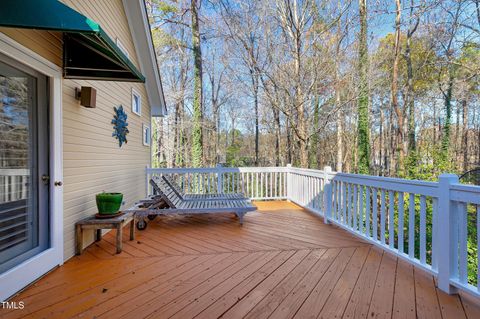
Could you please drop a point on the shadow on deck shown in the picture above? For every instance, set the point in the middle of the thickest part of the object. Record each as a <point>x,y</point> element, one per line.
<point>282,263</point>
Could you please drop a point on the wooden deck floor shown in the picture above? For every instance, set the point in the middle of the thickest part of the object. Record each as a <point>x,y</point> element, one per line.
<point>283,263</point>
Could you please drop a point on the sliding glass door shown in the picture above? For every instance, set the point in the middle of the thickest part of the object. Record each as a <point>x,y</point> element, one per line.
<point>24,168</point>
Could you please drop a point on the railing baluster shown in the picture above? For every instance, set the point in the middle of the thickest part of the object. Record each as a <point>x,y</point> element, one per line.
<point>355,205</point>
<point>411,226</point>
<point>310,192</point>
<point>375,214</point>
<point>382,217</point>
<point>262,187</point>
<point>208,176</point>
<point>275,185</point>
<point>434,233</point>
<point>367,212</point>
<point>236,182</point>
<point>247,184</point>
<point>338,200</point>
<point>391,219</point>
<point>344,201</point>
<point>463,235</point>
<point>334,186</point>
<point>400,221</point>
<point>360,209</point>
<point>270,175</point>
<point>256,184</point>
<point>423,230</point>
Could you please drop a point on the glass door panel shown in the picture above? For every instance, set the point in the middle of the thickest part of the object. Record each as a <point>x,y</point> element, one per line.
<point>24,178</point>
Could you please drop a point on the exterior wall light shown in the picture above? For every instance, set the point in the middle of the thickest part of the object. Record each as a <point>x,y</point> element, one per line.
<point>87,96</point>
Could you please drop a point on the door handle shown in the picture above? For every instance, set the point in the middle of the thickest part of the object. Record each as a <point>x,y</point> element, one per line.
<point>58,183</point>
<point>45,179</point>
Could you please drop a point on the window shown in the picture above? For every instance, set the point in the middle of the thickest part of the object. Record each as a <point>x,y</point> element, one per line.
<point>136,103</point>
<point>146,135</point>
<point>122,48</point>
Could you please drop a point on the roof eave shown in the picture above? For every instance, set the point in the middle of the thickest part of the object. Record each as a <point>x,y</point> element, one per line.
<point>136,13</point>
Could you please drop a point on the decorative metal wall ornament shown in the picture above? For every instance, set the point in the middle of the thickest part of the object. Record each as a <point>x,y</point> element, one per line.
<point>120,124</point>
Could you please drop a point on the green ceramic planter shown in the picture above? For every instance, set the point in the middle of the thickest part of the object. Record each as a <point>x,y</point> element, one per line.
<point>109,203</point>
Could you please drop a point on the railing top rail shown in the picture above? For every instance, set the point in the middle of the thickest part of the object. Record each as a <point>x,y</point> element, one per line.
<point>465,193</point>
<point>388,183</point>
<point>206,170</point>
<point>387,179</point>
<point>466,188</point>
<point>307,171</point>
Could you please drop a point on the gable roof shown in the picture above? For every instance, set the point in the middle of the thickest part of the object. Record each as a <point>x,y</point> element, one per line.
<point>142,39</point>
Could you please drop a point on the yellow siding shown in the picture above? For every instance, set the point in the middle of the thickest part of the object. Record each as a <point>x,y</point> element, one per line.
<point>45,43</point>
<point>92,160</point>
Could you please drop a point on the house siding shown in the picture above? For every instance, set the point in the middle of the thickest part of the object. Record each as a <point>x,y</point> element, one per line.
<point>45,43</point>
<point>92,160</point>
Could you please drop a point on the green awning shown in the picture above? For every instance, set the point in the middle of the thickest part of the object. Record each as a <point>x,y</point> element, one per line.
<point>88,52</point>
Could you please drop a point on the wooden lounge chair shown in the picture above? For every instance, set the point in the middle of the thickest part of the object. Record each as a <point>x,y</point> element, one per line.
<point>189,196</point>
<point>172,203</point>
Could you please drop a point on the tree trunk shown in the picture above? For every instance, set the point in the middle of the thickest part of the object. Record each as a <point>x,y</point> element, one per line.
<point>314,145</point>
<point>382,152</point>
<point>216,128</point>
<point>394,95</point>
<point>410,102</point>
<point>448,116</point>
<point>276,115</point>
<point>339,161</point>
<point>392,148</point>
<point>289,142</point>
<point>458,138</point>
<point>197,136</point>
<point>465,135</point>
<point>176,136</point>
<point>435,134</point>
<point>254,76</point>
<point>363,98</point>
<point>338,101</point>
<point>160,142</point>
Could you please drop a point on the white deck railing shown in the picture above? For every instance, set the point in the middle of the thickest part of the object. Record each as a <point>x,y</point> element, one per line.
<point>258,183</point>
<point>424,223</point>
<point>13,184</point>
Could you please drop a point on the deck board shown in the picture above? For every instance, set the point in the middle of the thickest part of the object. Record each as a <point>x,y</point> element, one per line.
<point>282,263</point>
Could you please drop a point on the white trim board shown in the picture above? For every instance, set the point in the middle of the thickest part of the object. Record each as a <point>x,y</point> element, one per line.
<point>27,272</point>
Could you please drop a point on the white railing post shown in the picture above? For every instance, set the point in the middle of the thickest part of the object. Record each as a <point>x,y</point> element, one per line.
<point>446,238</point>
<point>219,178</point>
<point>327,194</point>
<point>289,182</point>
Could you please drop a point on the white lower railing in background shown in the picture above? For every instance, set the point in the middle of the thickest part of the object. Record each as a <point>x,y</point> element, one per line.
<point>433,225</point>
<point>258,183</point>
<point>13,184</point>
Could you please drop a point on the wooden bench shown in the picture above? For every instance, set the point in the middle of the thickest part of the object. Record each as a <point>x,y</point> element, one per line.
<point>107,223</point>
